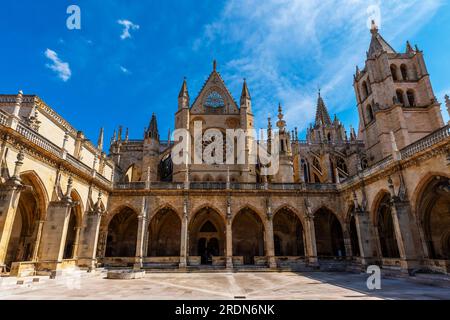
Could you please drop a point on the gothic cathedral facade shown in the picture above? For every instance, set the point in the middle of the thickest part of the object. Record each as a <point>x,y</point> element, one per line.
<point>340,200</point>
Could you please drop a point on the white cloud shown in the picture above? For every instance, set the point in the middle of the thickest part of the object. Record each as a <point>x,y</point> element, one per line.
<point>124,70</point>
<point>128,25</point>
<point>60,67</point>
<point>288,48</point>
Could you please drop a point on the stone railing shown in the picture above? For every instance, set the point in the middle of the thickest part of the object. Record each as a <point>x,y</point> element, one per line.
<point>39,140</point>
<point>407,152</point>
<point>426,142</point>
<point>141,185</point>
<point>3,118</point>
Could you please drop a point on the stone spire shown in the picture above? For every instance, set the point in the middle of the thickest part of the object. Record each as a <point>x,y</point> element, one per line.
<point>409,48</point>
<point>18,104</point>
<point>152,131</point>
<point>322,115</point>
<point>183,96</point>
<point>126,135</point>
<point>245,95</point>
<point>100,140</point>
<point>246,100</point>
<point>447,103</point>
<point>119,135</point>
<point>214,65</point>
<point>378,44</point>
<point>281,124</point>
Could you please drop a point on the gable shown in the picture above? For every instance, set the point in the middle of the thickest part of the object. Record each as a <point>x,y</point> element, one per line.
<point>214,98</point>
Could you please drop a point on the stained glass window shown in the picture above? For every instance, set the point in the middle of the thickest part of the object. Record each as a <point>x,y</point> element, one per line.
<point>214,100</point>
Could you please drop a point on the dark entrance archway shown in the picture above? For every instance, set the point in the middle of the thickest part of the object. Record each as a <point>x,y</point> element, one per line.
<point>164,234</point>
<point>434,211</point>
<point>329,235</point>
<point>122,234</point>
<point>288,234</point>
<point>31,208</point>
<point>385,227</point>
<point>248,236</point>
<point>207,235</point>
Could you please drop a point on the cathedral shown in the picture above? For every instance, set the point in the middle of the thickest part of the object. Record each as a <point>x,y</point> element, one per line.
<point>378,194</point>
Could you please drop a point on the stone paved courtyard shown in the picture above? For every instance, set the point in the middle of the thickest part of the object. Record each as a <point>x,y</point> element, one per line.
<point>218,286</point>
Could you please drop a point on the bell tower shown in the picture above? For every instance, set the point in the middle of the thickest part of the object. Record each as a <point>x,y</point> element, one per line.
<point>394,94</point>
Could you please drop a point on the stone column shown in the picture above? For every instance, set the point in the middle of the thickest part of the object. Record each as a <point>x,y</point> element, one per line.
<point>89,238</point>
<point>366,238</point>
<point>142,228</point>
<point>400,210</point>
<point>184,236</point>
<point>229,236</point>
<point>229,248</point>
<point>76,242</point>
<point>9,201</point>
<point>40,226</point>
<point>311,246</point>
<point>403,234</point>
<point>270,251</point>
<point>54,234</point>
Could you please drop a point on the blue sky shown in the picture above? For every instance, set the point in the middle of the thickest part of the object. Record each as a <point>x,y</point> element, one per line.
<point>100,77</point>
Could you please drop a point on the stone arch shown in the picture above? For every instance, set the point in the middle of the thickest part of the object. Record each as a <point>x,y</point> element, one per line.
<point>288,230</point>
<point>251,208</point>
<point>112,212</point>
<point>248,235</point>
<point>206,206</point>
<point>164,233</point>
<point>39,188</point>
<point>31,209</point>
<point>350,221</point>
<point>74,226</point>
<point>207,235</point>
<point>432,207</point>
<point>165,206</point>
<point>122,233</point>
<point>421,186</point>
<point>384,225</point>
<point>375,204</point>
<point>329,233</point>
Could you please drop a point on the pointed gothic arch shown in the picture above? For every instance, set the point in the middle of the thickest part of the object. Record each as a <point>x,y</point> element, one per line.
<point>164,238</point>
<point>433,210</point>
<point>31,209</point>
<point>288,233</point>
<point>207,235</point>
<point>329,234</point>
<point>248,235</point>
<point>122,233</point>
<point>385,227</point>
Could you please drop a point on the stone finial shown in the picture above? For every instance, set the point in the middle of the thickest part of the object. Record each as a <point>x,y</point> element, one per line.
<point>126,135</point>
<point>395,152</point>
<point>374,27</point>
<point>119,135</point>
<point>391,187</point>
<point>409,48</point>
<point>18,105</point>
<point>100,139</point>
<point>214,65</point>
<point>69,187</point>
<point>281,124</point>
<point>18,166</point>
<point>447,103</point>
